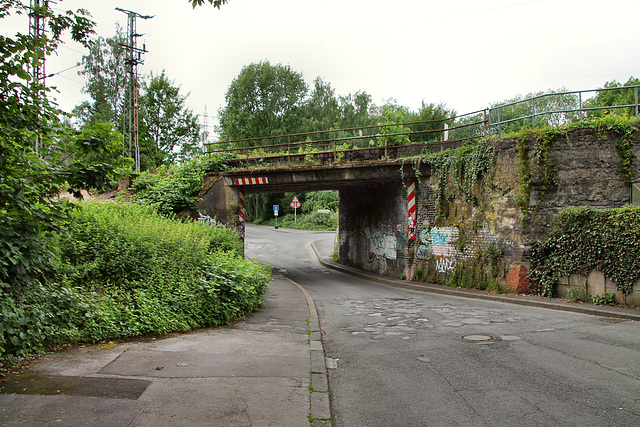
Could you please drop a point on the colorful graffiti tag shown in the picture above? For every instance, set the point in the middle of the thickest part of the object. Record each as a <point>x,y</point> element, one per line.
<point>439,244</point>
<point>384,245</point>
<point>442,239</point>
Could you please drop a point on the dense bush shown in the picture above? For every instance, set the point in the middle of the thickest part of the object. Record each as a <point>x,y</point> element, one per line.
<point>309,221</point>
<point>123,270</point>
<point>586,239</point>
<point>176,188</point>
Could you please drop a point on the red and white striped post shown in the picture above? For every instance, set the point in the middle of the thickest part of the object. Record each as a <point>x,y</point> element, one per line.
<point>411,196</point>
<point>242,212</point>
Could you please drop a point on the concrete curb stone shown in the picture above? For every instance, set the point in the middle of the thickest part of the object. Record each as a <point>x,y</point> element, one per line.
<point>319,391</point>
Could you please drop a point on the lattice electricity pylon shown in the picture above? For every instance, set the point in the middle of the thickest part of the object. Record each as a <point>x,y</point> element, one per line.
<point>37,13</point>
<point>133,59</point>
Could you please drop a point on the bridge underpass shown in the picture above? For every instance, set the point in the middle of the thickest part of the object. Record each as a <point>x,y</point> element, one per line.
<point>371,194</point>
<point>485,235</point>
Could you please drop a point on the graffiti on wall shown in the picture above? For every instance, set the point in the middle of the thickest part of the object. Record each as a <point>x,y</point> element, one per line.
<point>440,245</point>
<point>438,242</point>
<point>384,245</point>
<point>444,264</point>
<point>442,240</point>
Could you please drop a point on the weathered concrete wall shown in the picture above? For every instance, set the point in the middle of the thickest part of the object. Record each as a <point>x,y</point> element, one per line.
<point>596,283</point>
<point>373,227</point>
<point>588,174</point>
<point>493,238</point>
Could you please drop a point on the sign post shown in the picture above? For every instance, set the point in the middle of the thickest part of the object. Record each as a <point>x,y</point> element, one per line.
<point>276,208</point>
<point>295,204</point>
<point>323,212</point>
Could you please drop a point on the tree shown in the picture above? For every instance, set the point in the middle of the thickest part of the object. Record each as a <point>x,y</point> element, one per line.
<point>27,181</point>
<point>355,110</point>
<point>322,110</point>
<point>264,100</point>
<point>391,113</point>
<point>437,115</point>
<point>104,69</point>
<point>170,131</point>
<point>548,108</point>
<point>327,199</point>
<point>608,98</point>
<point>215,3</point>
<point>91,157</point>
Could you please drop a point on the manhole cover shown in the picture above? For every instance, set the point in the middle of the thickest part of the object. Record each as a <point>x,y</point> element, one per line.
<point>477,338</point>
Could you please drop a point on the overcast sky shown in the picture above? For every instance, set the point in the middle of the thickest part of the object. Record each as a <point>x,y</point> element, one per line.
<point>465,53</point>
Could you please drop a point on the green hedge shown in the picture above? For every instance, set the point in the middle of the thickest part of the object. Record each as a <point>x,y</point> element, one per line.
<point>586,239</point>
<point>123,270</point>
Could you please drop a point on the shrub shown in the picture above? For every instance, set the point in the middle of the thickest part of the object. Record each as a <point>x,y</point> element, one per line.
<point>123,270</point>
<point>311,221</point>
<point>171,190</point>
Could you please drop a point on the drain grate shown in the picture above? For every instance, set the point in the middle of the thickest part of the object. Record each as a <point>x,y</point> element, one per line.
<point>478,338</point>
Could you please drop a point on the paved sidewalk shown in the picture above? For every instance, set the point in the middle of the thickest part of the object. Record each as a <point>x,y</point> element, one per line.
<point>256,372</point>
<point>324,248</point>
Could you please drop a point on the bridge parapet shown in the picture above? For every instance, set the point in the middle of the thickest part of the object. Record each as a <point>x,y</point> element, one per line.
<point>385,141</point>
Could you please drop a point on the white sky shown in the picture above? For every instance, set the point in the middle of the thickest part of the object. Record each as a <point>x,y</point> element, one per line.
<point>466,53</point>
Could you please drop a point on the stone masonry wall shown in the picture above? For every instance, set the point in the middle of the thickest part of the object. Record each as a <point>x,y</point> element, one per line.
<point>490,241</point>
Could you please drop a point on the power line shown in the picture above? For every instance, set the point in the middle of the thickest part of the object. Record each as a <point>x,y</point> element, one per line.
<point>134,58</point>
<point>62,71</point>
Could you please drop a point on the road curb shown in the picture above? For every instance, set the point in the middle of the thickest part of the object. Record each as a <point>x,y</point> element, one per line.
<point>527,300</point>
<point>319,392</point>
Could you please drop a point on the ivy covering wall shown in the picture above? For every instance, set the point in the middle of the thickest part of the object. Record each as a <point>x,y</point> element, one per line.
<point>586,239</point>
<point>493,205</point>
<point>455,245</point>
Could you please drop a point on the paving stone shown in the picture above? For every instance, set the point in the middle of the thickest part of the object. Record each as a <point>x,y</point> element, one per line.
<point>316,346</point>
<point>315,336</point>
<point>314,324</point>
<point>317,362</point>
<point>320,407</point>
<point>319,382</point>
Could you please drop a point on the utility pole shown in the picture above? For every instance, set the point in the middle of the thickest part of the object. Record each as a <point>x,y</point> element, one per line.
<point>205,131</point>
<point>134,58</point>
<point>37,13</point>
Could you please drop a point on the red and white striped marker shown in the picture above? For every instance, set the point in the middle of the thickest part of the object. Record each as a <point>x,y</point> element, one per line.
<point>251,181</point>
<point>411,195</point>
<point>242,212</point>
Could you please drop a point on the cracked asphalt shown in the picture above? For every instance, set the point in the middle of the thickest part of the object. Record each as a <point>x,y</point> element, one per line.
<point>404,355</point>
<point>346,349</point>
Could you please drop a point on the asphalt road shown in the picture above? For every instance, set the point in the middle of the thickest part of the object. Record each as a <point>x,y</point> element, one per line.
<point>410,358</point>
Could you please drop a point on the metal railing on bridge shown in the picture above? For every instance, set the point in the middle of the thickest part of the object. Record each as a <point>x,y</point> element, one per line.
<point>381,141</point>
<point>559,108</point>
<point>393,140</point>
